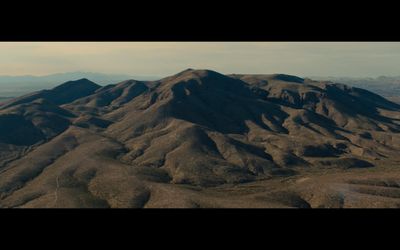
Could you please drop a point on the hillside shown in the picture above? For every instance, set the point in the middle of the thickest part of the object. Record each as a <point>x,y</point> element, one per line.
<point>200,139</point>
<point>388,87</point>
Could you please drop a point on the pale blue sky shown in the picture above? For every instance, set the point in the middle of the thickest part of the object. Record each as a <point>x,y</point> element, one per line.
<point>166,58</point>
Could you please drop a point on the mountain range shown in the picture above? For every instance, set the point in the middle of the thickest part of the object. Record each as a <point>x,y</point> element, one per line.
<point>200,139</point>
<point>12,86</point>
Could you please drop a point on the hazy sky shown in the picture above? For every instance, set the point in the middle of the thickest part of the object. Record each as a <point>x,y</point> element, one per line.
<point>166,58</point>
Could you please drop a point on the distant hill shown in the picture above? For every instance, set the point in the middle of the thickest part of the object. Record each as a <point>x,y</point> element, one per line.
<point>11,86</point>
<point>64,93</point>
<point>388,87</point>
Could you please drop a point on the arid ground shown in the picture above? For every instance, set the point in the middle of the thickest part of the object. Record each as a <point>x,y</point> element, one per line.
<point>200,139</point>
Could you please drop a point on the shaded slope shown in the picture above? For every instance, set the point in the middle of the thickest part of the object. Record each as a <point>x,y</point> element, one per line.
<point>39,119</point>
<point>36,118</point>
<point>64,93</point>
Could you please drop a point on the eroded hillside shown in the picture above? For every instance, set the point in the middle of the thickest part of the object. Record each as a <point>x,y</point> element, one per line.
<point>199,139</point>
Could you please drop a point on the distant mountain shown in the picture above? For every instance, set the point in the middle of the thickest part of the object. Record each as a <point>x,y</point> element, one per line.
<point>386,86</point>
<point>11,86</point>
<point>64,93</point>
<point>200,139</point>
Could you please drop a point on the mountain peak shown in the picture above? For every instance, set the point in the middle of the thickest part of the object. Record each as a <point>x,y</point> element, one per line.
<point>288,78</point>
<point>72,90</point>
<point>81,83</point>
<point>198,73</point>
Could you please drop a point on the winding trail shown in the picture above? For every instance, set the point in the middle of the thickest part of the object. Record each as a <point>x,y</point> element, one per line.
<point>56,192</point>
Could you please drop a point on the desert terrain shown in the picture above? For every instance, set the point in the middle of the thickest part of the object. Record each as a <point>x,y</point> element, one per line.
<point>200,139</point>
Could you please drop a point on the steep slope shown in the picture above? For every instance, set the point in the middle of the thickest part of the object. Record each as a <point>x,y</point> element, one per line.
<point>37,116</point>
<point>33,119</point>
<point>25,126</point>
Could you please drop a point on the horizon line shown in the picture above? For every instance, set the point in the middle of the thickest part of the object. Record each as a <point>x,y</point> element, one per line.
<point>131,75</point>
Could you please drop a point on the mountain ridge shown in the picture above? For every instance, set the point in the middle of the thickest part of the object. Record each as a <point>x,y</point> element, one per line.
<point>12,86</point>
